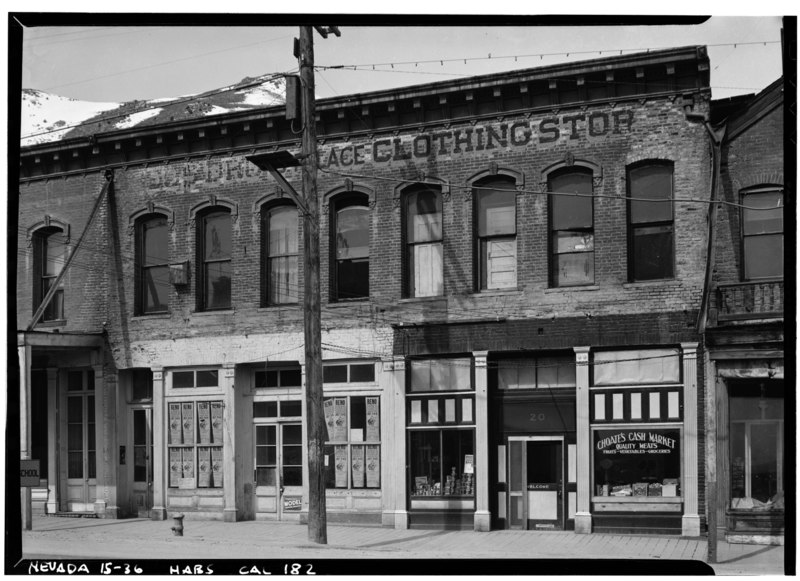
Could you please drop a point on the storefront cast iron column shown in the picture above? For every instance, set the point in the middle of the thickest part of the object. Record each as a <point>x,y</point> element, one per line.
<point>25,353</point>
<point>483,517</point>
<point>159,446</point>
<point>52,441</point>
<point>229,513</point>
<point>396,453</point>
<point>583,515</point>
<point>691,519</point>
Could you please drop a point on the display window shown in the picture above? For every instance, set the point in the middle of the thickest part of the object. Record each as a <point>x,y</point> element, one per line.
<point>637,461</point>
<point>195,438</point>
<point>442,462</point>
<point>757,447</point>
<point>352,452</point>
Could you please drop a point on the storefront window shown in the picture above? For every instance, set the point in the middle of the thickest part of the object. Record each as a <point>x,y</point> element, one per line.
<point>352,453</point>
<point>195,444</point>
<point>442,462</point>
<point>756,413</point>
<point>637,461</point>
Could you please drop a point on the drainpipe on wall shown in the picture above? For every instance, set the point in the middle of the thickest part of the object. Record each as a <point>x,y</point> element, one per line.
<point>109,176</point>
<point>715,138</point>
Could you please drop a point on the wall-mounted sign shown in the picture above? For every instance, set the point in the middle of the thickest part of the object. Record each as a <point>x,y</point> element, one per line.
<point>29,473</point>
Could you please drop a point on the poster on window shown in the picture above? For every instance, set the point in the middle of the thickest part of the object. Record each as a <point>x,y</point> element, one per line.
<point>327,407</point>
<point>175,423</point>
<point>204,422</point>
<point>340,419</point>
<point>187,466</point>
<point>203,467</point>
<point>373,420</point>
<point>358,466</point>
<point>175,466</point>
<point>340,458</point>
<point>216,422</point>
<point>216,467</point>
<point>373,465</point>
<point>187,422</point>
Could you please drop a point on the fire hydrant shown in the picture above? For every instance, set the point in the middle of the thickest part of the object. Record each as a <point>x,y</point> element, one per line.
<point>177,530</point>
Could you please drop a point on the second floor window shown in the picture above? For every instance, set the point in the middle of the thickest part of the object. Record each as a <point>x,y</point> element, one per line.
<point>571,228</point>
<point>651,236</point>
<point>496,235</point>
<point>152,251</point>
<point>762,233</point>
<point>50,250</point>
<point>281,251</point>
<point>424,243</point>
<point>215,272</point>
<point>351,248</point>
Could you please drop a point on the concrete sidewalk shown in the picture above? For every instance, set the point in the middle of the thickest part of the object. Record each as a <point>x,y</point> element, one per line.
<point>130,539</point>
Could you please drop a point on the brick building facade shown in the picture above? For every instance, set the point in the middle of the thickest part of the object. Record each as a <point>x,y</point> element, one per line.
<point>513,266</point>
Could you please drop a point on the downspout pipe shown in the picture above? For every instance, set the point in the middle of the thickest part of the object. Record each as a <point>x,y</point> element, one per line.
<point>109,176</point>
<point>715,138</point>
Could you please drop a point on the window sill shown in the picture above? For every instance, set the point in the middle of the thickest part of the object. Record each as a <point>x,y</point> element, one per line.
<point>151,316</point>
<point>646,283</point>
<point>348,303</point>
<point>53,323</point>
<point>639,499</point>
<point>498,292</point>
<point>273,308</point>
<point>423,299</point>
<point>559,289</point>
<point>213,312</point>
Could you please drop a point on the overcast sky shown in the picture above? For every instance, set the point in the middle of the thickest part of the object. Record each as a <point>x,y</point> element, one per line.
<point>115,64</point>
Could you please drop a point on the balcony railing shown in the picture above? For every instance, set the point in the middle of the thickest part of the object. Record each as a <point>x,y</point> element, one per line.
<point>750,300</point>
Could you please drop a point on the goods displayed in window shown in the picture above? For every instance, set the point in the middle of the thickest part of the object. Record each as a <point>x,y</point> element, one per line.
<point>195,444</point>
<point>352,454</point>
<point>442,463</point>
<point>635,462</point>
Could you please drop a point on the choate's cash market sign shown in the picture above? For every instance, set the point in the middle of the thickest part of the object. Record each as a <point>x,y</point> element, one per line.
<point>636,442</point>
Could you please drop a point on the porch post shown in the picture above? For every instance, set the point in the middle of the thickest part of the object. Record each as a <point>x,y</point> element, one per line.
<point>25,353</point>
<point>52,441</point>
<point>583,515</point>
<point>483,517</point>
<point>159,446</point>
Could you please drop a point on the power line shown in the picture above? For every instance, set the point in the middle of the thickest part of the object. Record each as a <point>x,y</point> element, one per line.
<point>465,60</point>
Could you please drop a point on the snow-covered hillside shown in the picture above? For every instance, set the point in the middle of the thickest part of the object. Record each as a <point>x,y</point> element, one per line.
<point>47,118</point>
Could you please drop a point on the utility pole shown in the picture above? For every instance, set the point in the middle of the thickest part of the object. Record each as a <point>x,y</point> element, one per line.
<point>317,517</point>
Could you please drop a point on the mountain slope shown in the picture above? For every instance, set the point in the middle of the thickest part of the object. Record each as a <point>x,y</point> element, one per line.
<point>46,118</point>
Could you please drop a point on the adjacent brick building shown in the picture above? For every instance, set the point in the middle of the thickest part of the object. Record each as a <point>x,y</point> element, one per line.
<point>513,268</point>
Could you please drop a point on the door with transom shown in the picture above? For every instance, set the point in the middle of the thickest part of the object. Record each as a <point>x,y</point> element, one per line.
<point>536,495</point>
<point>140,465</point>
<point>78,442</point>
<point>279,469</point>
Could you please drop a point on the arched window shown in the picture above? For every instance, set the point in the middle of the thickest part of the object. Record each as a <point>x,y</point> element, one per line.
<point>762,233</point>
<point>152,268</point>
<point>571,227</point>
<point>50,254</point>
<point>496,240</point>
<point>280,254</point>
<point>214,257</point>
<point>350,245</point>
<point>651,236</point>
<point>423,237</point>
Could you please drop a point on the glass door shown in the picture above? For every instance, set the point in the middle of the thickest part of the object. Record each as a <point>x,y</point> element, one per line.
<point>141,464</point>
<point>79,442</point>
<point>279,468</point>
<point>536,483</point>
